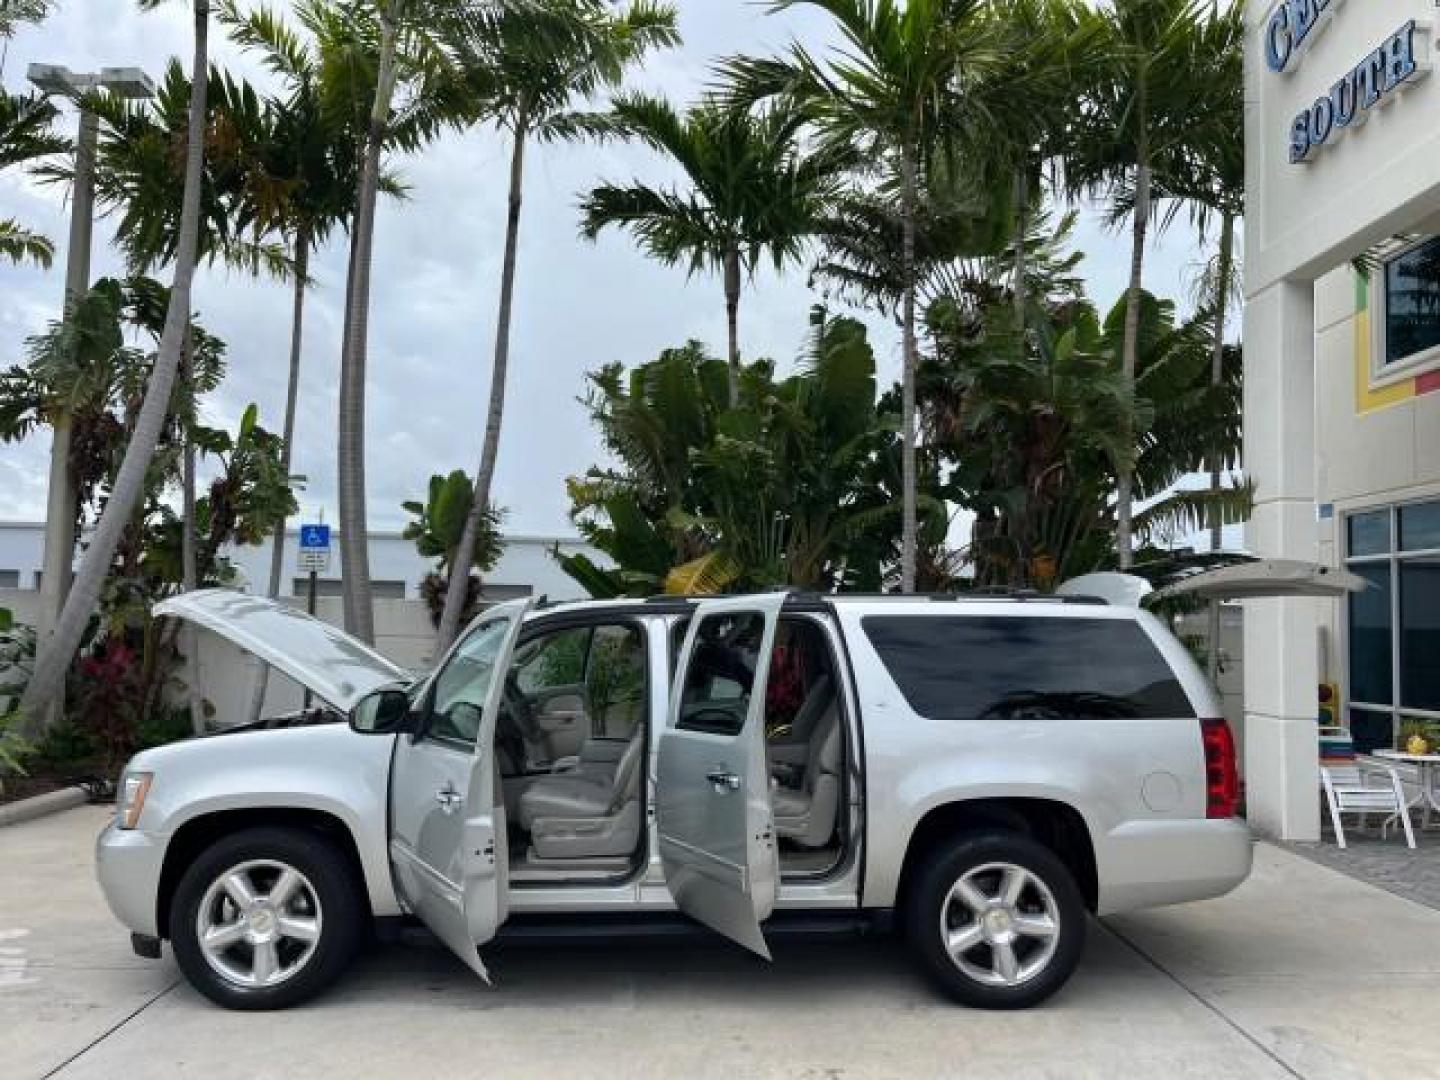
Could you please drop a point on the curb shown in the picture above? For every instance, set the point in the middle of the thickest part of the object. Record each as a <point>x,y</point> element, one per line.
<point>38,806</point>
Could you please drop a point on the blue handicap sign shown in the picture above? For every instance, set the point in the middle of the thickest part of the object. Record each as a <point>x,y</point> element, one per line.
<point>314,537</point>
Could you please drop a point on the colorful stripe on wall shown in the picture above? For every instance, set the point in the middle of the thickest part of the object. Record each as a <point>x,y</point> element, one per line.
<point>1367,397</point>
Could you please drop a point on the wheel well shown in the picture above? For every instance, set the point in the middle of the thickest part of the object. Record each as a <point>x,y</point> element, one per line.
<point>199,833</point>
<point>1055,824</point>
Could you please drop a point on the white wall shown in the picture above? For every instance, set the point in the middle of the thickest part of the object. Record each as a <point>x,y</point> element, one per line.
<point>526,561</point>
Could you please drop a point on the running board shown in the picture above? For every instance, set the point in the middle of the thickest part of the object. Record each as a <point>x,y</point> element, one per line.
<point>785,925</point>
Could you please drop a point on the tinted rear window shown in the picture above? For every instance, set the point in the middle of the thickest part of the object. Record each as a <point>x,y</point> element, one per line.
<point>1008,667</point>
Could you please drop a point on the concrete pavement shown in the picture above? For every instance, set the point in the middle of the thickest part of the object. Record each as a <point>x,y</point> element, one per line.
<point>1302,972</point>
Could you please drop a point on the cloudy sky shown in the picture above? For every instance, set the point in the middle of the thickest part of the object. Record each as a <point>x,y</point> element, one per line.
<point>437,269</point>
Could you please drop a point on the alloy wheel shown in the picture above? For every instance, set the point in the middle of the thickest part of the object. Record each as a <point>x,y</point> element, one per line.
<point>1000,924</point>
<point>259,923</point>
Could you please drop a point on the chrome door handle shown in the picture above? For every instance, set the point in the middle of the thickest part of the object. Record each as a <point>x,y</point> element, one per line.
<point>723,779</point>
<point>449,799</point>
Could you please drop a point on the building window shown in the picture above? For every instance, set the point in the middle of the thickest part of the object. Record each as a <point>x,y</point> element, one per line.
<point>381,590</point>
<point>9,579</point>
<point>1407,318</point>
<point>1393,626</point>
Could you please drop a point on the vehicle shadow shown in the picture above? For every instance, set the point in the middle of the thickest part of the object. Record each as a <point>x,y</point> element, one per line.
<point>698,968</point>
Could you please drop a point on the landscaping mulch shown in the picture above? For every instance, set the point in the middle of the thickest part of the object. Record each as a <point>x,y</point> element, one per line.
<point>23,787</point>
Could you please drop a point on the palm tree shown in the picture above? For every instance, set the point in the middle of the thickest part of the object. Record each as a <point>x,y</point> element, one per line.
<point>55,654</point>
<point>399,42</point>
<point>25,137</point>
<point>1213,186</point>
<point>752,192</point>
<point>529,66</point>
<point>1141,108</point>
<point>303,174</point>
<point>13,15</point>
<point>899,93</point>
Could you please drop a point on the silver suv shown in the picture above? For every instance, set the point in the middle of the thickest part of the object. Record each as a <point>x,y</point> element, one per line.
<point>988,770</point>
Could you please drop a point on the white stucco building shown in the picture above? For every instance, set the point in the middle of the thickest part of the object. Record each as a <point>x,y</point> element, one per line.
<point>527,567</point>
<point>1342,378</point>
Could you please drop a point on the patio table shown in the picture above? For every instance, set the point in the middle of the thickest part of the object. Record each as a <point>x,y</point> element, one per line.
<point>1427,768</point>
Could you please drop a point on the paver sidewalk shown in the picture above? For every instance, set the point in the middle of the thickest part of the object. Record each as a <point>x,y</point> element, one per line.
<point>1302,972</point>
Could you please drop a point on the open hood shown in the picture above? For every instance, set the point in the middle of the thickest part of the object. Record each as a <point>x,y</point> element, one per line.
<point>1266,577</point>
<point>330,663</point>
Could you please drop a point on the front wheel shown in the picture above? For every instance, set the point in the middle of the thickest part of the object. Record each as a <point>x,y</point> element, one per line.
<point>996,921</point>
<point>266,918</point>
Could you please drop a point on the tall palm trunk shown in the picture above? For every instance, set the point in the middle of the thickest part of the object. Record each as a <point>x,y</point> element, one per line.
<point>732,319</point>
<point>292,392</point>
<point>1022,212</point>
<point>908,479</point>
<point>1217,376</point>
<point>459,586</point>
<point>354,546</point>
<point>1129,358</point>
<point>189,561</point>
<point>55,656</point>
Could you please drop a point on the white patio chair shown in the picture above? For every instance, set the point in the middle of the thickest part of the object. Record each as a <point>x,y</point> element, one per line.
<point>1365,788</point>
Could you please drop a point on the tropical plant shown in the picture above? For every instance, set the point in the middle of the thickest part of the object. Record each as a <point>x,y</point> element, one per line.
<point>1212,185</point>
<point>94,366</point>
<point>17,13</point>
<point>898,92</point>
<point>529,67</point>
<point>1035,423</point>
<point>438,524</point>
<point>413,87</point>
<point>57,652</point>
<point>26,138</point>
<point>792,486</point>
<point>1141,108</point>
<point>303,169</point>
<point>753,192</point>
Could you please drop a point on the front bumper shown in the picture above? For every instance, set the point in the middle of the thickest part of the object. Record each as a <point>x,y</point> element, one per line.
<point>128,864</point>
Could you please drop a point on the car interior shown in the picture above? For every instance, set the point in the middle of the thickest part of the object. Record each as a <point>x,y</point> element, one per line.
<point>571,737</point>
<point>804,733</point>
<point>570,748</point>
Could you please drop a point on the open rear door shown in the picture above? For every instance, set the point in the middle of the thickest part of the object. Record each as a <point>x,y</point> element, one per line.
<point>717,834</point>
<point>447,820</point>
<point>1265,578</point>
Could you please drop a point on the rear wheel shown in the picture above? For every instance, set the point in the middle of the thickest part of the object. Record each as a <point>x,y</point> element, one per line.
<point>266,918</point>
<point>996,921</point>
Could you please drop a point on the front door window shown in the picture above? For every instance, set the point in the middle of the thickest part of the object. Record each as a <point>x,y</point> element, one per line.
<point>462,687</point>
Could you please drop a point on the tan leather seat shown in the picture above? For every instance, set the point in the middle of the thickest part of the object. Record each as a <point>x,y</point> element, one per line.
<point>578,816</point>
<point>807,815</point>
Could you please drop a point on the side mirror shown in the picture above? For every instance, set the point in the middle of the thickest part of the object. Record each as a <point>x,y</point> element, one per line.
<point>385,712</point>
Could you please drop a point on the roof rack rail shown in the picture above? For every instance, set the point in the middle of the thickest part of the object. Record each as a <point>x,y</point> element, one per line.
<point>977,596</point>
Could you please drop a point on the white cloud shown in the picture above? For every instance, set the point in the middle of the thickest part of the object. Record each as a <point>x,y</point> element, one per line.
<point>436,279</point>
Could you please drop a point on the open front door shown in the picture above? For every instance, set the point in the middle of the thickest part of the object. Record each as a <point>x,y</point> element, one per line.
<point>447,833</point>
<point>717,836</point>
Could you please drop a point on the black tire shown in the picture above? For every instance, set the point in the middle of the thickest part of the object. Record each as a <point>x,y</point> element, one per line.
<point>342,910</point>
<point>926,907</point>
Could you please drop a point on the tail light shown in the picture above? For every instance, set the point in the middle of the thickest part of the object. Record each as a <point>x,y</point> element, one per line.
<point>1222,778</point>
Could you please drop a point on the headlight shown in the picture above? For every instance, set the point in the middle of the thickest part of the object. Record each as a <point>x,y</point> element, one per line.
<point>130,799</point>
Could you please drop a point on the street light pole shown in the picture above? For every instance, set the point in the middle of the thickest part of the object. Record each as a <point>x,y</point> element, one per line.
<point>59,555</point>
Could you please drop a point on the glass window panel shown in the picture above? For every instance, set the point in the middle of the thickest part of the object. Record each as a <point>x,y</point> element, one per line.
<point>1412,302</point>
<point>463,685</point>
<point>1370,533</point>
<point>1370,637</point>
<point>718,683</point>
<point>1005,667</point>
<point>1420,633</point>
<point>1420,527</point>
<point>1372,730</point>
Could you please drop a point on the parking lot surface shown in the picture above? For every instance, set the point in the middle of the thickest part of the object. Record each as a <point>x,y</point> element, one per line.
<point>1303,972</point>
